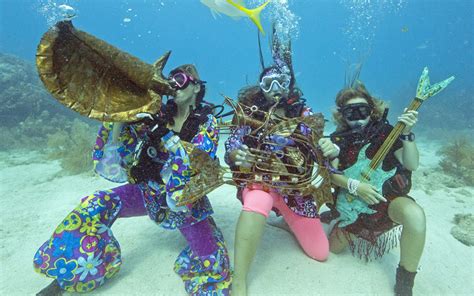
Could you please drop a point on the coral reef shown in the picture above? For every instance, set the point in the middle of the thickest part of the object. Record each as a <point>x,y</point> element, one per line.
<point>22,94</point>
<point>463,231</point>
<point>32,120</point>
<point>72,147</point>
<point>31,132</point>
<point>458,160</point>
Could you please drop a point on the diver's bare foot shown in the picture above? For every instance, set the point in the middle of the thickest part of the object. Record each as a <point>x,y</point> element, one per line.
<point>52,289</point>
<point>239,288</point>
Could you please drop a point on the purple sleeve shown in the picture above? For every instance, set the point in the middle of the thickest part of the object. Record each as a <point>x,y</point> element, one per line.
<point>112,160</point>
<point>235,141</point>
<point>177,170</point>
<point>208,137</point>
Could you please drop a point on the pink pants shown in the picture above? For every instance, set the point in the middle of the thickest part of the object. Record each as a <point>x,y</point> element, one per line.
<point>308,231</point>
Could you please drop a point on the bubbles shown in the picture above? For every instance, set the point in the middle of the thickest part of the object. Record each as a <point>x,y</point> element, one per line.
<point>363,19</point>
<point>286,22</point>
<point>56,11</point>
<point>161,5</point>
<point>129,12</point>
<point>67,11</point>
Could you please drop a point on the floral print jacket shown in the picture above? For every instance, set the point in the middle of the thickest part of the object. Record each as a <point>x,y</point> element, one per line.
<point>113,161</point>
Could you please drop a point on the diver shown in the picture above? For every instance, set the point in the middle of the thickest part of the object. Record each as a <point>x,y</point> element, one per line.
<point>367,218</point>
<point>83,253</point>
<point>276,91</point>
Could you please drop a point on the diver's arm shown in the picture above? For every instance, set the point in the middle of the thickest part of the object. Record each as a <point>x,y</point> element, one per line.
<point>328,148</point>
<point>111,157</point>
<point>178,165</point>
<point>176,171</point>
<point>408,156</point>
<point>207,138</point>
<point>235,143</point>
<point>338,179</point>
<point>116,130</point>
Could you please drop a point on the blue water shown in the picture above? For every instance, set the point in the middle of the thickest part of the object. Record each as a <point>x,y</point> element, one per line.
<point>395,40</point>
<point>403,36</point>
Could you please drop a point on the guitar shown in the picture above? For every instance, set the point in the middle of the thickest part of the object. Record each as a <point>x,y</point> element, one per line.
<point>369,170</point>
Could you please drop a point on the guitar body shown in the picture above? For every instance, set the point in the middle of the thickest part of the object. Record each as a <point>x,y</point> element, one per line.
<point>377,177</point>
<point>350,206</point>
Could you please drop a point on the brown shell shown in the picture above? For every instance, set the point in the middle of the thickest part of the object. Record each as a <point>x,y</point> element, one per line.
<point>96,79</point>
<point>206,175</point>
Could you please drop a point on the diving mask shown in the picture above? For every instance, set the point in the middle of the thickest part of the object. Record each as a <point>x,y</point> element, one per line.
<point>181,80</point>
<point>274,82</point>
<point>355,112</point>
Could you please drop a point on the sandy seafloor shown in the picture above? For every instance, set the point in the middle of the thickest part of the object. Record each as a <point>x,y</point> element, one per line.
<point>34,201</point>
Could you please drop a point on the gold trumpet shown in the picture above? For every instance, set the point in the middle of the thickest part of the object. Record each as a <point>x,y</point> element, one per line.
<point>295,169</point>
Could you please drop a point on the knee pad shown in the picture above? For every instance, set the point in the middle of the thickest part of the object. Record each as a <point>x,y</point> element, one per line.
<point>257,201</point>
<point>311,237</point>
<point>308,232</point>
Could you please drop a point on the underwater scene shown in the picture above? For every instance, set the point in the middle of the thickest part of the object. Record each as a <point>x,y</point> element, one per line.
<point>237,147</point>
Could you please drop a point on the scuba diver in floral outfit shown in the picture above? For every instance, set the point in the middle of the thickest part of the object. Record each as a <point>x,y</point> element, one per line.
<point>276,91</point>
<point>83,253</point>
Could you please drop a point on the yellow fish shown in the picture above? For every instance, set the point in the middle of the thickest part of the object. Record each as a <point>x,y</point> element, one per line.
<point>236,10</point>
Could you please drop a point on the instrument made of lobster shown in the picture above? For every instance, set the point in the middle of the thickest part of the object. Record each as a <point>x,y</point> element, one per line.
<point>369,170</point>
<point>96,79</point>
<point>290,169</point>
<point>100,81</point>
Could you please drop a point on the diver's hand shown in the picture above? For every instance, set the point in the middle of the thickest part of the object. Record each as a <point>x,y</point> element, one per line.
<point>328,148</point>
<point>369,194</point>
<point>147,118</point>
<point>242,157</point>
<point>409,118</point>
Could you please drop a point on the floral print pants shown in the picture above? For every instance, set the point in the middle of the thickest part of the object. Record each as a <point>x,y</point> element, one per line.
<point>82,253</point>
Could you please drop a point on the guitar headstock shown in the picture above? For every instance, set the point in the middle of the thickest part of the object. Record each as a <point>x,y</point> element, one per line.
<point>425,90</point>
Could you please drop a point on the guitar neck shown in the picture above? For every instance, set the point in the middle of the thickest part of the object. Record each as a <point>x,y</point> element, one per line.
<point>389,141</point>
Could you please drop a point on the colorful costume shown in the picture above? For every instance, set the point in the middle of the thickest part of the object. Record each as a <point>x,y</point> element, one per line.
<point>300,212</point>
<point>370,223</point>
<point>83,253</point>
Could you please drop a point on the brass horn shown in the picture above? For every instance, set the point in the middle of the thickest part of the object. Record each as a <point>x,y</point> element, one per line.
<point>292,169</point>
<point>242,116</point>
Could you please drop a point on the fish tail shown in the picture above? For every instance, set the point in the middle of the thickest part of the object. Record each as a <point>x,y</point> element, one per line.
<point>252,14</point>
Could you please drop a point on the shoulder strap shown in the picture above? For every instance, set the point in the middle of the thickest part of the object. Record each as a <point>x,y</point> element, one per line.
<point>197,117</point>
